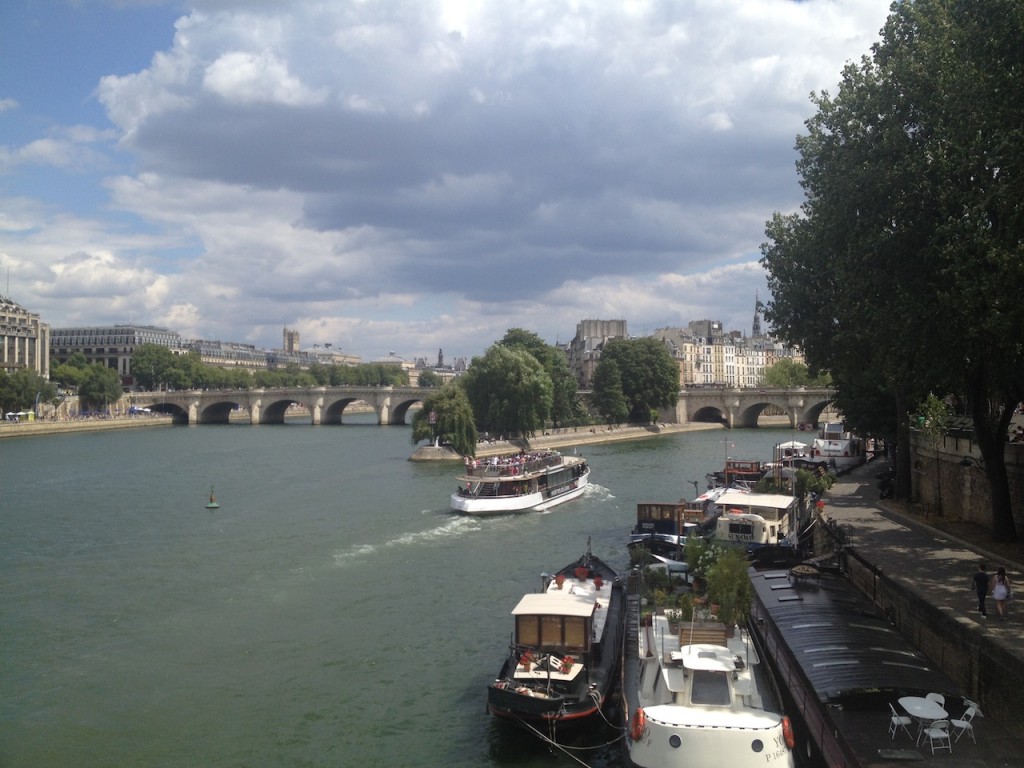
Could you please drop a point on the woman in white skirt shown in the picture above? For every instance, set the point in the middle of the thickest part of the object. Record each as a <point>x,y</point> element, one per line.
<point>1001,592</point>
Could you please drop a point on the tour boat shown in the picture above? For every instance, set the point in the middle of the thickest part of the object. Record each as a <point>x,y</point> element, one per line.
<point>699,698</point>
<point>564,657</point>
<point>519,482</point>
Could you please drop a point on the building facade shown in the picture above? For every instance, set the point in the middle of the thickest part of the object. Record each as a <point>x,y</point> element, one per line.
<point>24,340</point>
<point>584,350</point>
<point>110,345</point>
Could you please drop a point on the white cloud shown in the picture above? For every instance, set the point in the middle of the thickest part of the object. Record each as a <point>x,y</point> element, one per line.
<point>414,175</point>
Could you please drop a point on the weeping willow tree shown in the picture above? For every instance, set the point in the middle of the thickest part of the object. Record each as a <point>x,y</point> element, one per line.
<point>447,417</point>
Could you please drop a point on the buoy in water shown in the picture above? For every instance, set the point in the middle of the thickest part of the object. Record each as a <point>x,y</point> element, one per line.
<point>212,503</point>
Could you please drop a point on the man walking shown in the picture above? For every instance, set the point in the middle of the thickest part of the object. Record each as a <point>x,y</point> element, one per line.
<point>981,582</point>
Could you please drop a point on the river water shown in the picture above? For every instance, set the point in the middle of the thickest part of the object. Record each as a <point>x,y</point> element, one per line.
<point>332,612</point>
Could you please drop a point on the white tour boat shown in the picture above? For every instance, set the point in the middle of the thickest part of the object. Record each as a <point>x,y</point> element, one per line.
<point>519,482</point>
<point>700,699</point>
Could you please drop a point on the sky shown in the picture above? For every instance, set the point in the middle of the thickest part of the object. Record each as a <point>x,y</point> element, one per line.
<point>404,176</point>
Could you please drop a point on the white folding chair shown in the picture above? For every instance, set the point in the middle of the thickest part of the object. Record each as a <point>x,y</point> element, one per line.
<point>964,724</point>
<point>937,697</point>
<point>938,736</point>
<point>897,721</point>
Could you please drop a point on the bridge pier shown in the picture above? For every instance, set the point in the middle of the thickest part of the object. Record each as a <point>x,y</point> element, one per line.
<point>254,411</point>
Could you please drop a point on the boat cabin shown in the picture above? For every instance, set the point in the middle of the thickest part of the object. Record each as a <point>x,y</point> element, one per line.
<point>757,519</point>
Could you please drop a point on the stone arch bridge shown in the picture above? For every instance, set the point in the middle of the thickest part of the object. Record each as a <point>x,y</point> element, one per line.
<point>740,408</point>
<point>735,408</point>
<point>325,405</point>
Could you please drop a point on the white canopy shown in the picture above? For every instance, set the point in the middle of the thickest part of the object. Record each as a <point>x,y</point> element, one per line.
<point>553,604</point>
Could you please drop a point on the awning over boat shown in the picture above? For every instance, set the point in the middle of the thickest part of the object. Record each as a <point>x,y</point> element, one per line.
<point>553,604</point>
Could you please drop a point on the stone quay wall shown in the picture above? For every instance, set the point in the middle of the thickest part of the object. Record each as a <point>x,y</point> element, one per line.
<point>975,661</point>
<point>948,478</point>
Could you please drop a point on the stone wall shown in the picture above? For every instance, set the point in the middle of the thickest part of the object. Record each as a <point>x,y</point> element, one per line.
<point>948,478</point>
<point>973,660</point>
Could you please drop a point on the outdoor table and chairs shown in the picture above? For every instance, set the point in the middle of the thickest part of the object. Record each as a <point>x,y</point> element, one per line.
<point>926,712</point>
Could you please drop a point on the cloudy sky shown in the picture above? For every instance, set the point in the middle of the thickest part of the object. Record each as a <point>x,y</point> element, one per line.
<point>408,175</point>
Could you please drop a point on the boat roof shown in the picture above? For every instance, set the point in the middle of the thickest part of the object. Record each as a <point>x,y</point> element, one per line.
<point>749,499</point>
<point>554,604</point>
<point>845,647</point>
<point>709,658</point>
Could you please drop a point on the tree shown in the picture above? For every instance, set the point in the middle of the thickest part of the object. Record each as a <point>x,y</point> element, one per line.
<point>19,391</point>
<point>607,398</point>
<point>790,373</point>
<point>453,420</point>
<point>648,375</point>
<point>509,390</point>
<point>565,404</point>
<point>901,275</point>
<point>152,365</point>
<point>429,379</point>
<point>100,387</point>
<point>933,421</point>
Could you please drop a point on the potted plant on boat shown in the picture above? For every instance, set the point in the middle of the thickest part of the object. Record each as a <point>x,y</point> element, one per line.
<point>681,614</point>
<point>729,586</point>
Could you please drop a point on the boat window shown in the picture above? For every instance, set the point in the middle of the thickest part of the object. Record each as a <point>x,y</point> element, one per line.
<point>743,529</point>
<point>575,632</point>
<point>710,688</point>
<point>528,631</point>
<point>550,631</point>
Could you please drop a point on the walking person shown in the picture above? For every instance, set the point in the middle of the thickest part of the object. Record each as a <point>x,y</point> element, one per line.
<point>1001,592</point>
<point>981,585</point>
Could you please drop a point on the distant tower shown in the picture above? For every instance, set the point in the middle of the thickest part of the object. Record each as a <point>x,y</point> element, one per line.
<point>440,358</point>
<point>757,316</point>
<point>291,341</point>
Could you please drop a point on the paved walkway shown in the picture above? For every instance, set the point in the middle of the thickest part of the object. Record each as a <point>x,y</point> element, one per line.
<point>938,567</point>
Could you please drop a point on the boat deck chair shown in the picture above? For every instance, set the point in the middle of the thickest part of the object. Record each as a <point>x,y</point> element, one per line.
<point>938,736</point>
<point>964,724</point>
<point>897,721</point>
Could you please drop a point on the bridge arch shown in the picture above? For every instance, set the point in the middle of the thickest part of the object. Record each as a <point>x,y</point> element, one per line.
<point>400,411</point>
<point>218,412</point>
<point>332,411</point>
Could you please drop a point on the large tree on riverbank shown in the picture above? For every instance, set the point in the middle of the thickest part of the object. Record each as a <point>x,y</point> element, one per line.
<point>509,390</point>
<point>644,374</point>
<point>902,274</point>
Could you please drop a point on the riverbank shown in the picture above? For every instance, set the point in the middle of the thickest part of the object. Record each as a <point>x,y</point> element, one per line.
<point>35,428</point>
<point>562,438</point>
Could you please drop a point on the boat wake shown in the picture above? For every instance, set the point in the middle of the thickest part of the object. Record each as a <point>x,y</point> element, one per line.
<point>451,528</point>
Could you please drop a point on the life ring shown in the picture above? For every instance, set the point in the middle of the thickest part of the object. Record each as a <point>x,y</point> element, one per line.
<point>787,732</point>
<point>639,723</point>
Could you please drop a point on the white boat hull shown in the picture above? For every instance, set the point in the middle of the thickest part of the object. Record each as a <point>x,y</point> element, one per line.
<point>507,505</point>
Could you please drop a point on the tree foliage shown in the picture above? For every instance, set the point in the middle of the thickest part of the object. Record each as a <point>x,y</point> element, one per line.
<point>156,367</point>
<point>429,379</point>
<point>20,390</point>
<point>790,373</point>
<point>648,376</point>
<point>100,388</point>
<point>565,403</point>
<point>510,392</point>
<point>453,420</point>
<point>902,273</point>
<point>607,398</point>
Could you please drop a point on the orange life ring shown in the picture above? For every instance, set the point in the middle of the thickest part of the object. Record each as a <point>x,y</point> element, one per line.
<point>639,723</point>
<point>787,732</point>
